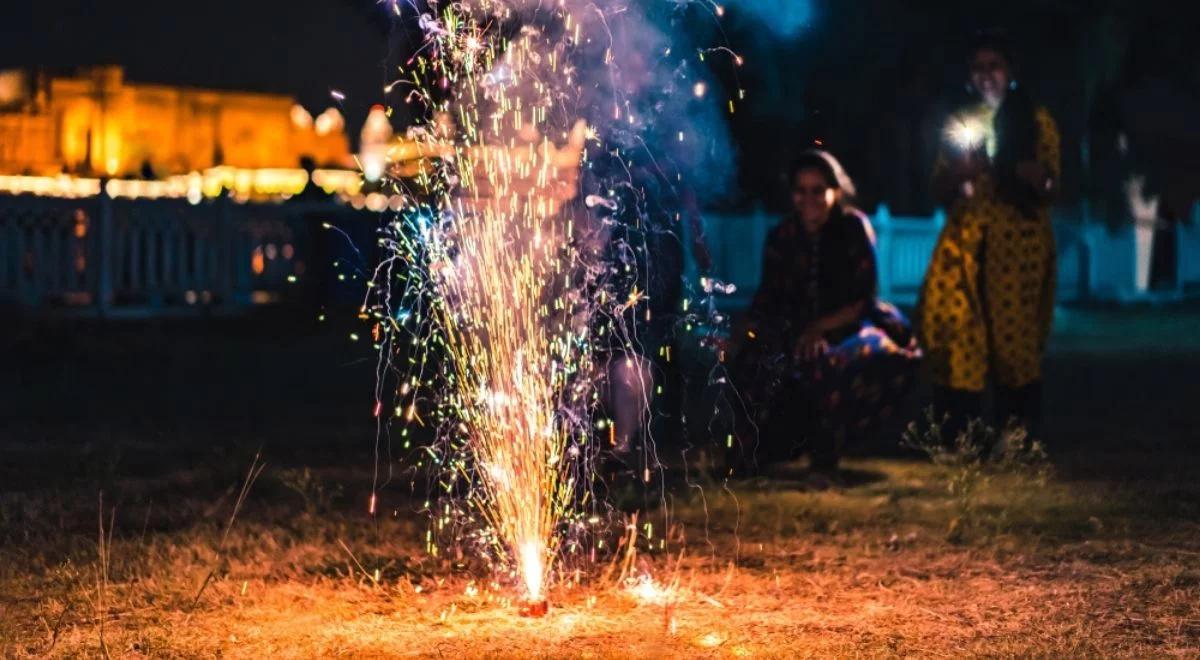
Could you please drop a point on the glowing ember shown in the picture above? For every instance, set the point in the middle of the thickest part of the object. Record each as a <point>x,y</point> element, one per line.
<point>648,591</point>
<point>535,608</point>
<point>532,569</point>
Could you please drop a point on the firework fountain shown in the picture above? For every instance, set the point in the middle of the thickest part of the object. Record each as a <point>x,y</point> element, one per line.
<point>496,290</point>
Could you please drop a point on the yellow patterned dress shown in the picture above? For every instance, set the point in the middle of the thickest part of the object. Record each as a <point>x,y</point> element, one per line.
<point>987,301</point>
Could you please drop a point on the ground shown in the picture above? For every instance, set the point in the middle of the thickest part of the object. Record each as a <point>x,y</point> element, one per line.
<point>147,431</point>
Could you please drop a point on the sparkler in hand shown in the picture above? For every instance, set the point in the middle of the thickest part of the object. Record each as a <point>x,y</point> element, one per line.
<point>970,137</point>
<point>968,134</point>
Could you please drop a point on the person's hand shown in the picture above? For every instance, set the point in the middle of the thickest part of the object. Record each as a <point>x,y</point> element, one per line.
<point>971,163</point>
<point>968,166</point>
<point>810,345</point>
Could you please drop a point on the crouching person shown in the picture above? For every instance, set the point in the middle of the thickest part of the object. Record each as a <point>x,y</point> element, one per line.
<point>818,361</point>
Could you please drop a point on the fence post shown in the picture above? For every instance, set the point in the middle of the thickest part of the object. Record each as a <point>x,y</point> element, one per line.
<point>26,267</point>
<point>104,253</point>
<point>238,282</point>
<point>882,224</point>
<point>223,246</point>
<point>1177,237</point>
<point>1084,267</point>
<point>10,262</point>
<point>148,234</point>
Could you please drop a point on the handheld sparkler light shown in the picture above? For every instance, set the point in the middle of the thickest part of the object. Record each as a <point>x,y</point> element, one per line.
<point>967,134</point>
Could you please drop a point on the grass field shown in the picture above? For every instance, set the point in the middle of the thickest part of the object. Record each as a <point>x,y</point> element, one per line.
<point>148,431</point>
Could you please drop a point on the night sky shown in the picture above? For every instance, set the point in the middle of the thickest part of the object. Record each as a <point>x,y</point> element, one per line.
<point>855,73</point>
<point>302,48</point>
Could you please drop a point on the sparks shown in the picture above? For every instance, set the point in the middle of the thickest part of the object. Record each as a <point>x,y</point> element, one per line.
<point>487,300</point>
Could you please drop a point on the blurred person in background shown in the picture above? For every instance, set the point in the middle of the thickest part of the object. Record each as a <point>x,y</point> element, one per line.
<point>819,359</point>
<point>987,301</point>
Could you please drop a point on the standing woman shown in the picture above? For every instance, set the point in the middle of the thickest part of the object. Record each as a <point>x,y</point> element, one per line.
<point>819,360</point>
<point>988,298</point>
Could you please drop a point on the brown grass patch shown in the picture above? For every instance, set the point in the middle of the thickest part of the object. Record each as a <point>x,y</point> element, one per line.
<point>1073,569</point>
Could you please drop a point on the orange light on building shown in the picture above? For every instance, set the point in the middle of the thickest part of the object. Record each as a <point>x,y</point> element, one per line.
<point>329,122</point>
<point>49,186</point>
<point>98,123</point>
<point>245,184</point>
<point>335,181</point>
<point>257,263</point>
<point>301,118</point>
<point>374,141</point>
<point>81,223</point>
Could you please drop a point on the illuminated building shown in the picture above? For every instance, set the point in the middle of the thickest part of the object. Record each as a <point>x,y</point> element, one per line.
<point>98,124</point>
<point>375,138</point>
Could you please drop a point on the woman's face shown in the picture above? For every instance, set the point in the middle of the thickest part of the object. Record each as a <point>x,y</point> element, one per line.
<point>812,197</point>
<point>990,75</point>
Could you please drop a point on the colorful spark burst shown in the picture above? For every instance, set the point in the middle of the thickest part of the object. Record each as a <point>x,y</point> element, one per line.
<point>492,295</point>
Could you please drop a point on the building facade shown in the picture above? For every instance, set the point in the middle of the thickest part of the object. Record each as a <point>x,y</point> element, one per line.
<point>98,124</point>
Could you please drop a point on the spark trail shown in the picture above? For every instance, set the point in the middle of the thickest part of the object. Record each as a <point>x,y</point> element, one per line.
<point>493,295</point>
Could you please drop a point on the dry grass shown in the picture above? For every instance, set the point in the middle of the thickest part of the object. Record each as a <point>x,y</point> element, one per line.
<point>1081,568</point>
<point>1103,562</point>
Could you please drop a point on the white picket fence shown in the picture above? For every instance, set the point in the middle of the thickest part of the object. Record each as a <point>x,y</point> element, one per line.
<point>141,257</point>
<point>127,257</point>
<point>1094,263</point>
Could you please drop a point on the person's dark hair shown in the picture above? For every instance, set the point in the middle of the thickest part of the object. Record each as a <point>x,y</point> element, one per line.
<point>830,169</point>
<point>1015,124</point>
<point>993,39</point>
<point>1016,141</point>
